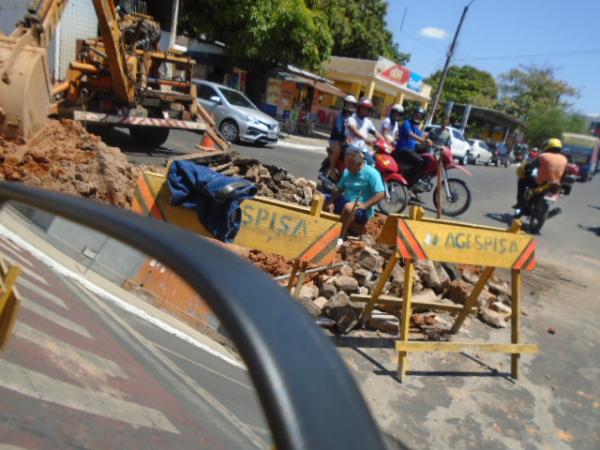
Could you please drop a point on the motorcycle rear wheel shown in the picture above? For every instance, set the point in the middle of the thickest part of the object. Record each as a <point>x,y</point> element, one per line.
<point>460,198</point>
<point>537,215</point>
<point>396,198</point>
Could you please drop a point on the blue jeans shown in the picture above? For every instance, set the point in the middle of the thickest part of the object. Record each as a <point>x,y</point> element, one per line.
<point>360,215</point>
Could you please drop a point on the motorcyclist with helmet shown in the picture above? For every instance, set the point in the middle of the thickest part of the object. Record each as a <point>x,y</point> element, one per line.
<point>551,165</point>
<point>358,128</point>
<point>410,136</point>
<point>391,124</point>
<point>338,133</point>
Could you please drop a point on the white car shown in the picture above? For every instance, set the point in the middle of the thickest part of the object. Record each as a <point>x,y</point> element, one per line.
<point>459,145</point>
<point>480,152</point>
<point>236,116</point>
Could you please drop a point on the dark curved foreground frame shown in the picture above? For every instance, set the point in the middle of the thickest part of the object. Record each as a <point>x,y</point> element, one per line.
<point>310,400</point>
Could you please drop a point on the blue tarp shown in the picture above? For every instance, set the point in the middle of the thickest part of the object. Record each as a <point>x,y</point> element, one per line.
<point>200,188</point>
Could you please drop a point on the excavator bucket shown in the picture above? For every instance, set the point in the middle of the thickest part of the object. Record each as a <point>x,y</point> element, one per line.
<point>25,90</point>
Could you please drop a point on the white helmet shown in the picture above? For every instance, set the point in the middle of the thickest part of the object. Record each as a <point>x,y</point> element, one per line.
<point>397,108</point>
<point>349,103</point>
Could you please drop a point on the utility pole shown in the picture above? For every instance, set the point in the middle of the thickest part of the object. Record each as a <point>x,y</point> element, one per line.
<point>438,91</point>
<point>174,17</point>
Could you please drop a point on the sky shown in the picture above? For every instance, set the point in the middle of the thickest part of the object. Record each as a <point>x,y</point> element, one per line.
<point>498,35</point>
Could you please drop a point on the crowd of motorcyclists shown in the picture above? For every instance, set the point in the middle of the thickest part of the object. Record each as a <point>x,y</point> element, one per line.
<point>359,185</point>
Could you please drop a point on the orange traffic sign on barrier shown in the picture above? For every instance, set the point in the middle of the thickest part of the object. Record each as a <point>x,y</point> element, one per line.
<point>420,238</point>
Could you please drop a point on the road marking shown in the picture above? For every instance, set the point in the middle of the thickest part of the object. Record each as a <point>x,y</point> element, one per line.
<point>89,363</point>
<point>196,363</point>
<point>209,398</point>
<point>24,282</point>
<point>8,243</point>
<point>59,320</point>
<point>11,447</point>
<point>27,271</point>
<point>42,387</point>
<point>12,254</point>
<point>120,303</point>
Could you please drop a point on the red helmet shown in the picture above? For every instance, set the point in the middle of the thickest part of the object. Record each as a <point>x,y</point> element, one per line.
<point>364,102</point>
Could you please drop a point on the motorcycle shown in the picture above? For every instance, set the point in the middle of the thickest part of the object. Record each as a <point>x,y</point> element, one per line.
<point>539,199</point>
<point>455,198</point>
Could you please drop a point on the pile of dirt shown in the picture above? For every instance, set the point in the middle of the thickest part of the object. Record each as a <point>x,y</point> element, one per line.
<point>64,157</point>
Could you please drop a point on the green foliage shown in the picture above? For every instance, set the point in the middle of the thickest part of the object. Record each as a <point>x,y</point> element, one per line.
<point>262,34</point>
<point>466,84</point>
<point>359,29</point>
<point>527,89</point>
<point>544,122</point>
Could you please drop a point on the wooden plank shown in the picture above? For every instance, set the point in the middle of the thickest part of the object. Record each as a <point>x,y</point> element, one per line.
<point>373,299</point>
<point>277,229</point>
<point>472,300</point>
<point>515,320</point>
<point>467,245</point>
<point>397,302</point>
<point>455,347</point>
<point>9,303</point>
<point>409,276</point>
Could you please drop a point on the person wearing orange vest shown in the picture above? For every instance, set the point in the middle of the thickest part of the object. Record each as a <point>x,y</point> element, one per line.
<point>551,165</point>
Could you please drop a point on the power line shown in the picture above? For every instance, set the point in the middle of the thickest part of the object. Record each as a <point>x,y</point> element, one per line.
<point>533,55</point>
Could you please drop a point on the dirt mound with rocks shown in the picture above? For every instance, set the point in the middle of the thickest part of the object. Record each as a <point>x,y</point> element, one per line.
<point>64,157</point>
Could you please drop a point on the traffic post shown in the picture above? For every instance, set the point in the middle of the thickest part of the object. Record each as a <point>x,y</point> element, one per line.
<point>420,238</point>
<point>9,301</point>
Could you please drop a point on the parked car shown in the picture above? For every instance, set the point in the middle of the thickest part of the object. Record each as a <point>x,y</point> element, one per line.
<point>479,152</point>
<point>237,118</point>
<point>459,145</point>
<point>501,155</point>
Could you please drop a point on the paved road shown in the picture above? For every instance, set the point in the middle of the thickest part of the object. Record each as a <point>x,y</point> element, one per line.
<point>80,373</point>
<point>572,234</point>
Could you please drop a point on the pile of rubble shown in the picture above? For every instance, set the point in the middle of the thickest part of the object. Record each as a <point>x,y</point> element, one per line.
<point>329,295</point>
<point>64,157</point>
<point>272,181</point>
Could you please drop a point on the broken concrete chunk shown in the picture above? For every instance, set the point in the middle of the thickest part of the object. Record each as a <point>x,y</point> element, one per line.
<point>370,259</point>
<point>328,290</point>
<point>502,288</point>
<point>501,308</point>
<point>385,323</point>
<point>320,303</point>
<point>459,291</point>
<point>346,283</point>
<point>310,306</point>
<point>362,275</point>
<point>493,318</point>
<point>309,291</point>
<point>341,311</point>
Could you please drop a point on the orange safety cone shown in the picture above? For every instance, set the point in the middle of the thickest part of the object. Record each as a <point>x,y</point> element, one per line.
<point>207,142</point>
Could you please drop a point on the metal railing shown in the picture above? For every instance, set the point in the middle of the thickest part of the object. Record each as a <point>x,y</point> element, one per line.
<point>308,396</point>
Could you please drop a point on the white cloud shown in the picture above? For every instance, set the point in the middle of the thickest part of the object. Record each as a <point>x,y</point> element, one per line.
<point>434,33</point>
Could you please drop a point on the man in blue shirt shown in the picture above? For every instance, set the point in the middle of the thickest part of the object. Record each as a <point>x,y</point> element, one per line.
<point>410,136</point>
<point>360,185</point>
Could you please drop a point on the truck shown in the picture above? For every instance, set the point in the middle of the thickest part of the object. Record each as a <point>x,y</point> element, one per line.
<point>582,150</point>
<point>119,79</point>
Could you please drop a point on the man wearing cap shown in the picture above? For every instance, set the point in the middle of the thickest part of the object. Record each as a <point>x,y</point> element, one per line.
<point>358,191</point>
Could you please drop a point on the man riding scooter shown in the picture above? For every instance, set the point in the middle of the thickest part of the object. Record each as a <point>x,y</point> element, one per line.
<point>411,135</point>
<point>551,165</point>
<point>338,134</point>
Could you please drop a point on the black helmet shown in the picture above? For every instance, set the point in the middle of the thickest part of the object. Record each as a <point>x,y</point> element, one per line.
<point>419,114</point>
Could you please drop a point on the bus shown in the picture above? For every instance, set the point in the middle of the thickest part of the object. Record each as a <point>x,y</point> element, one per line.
<point>583,150</point>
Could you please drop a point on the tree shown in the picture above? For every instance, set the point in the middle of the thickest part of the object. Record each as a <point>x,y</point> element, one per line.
<point>466,84</point>
<point>544,122</point>
<point>359,29</point>
<point>260,35</point>
<point>526,89</point>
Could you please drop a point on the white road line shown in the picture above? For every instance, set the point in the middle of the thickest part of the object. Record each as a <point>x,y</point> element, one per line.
<point>15,247</point>
<point>25,283</point>
<point>209,398</point>
<point>42,387</point>
<point>88,363</point>
<point>120,303</point>
<point>309,148</point>
<point>196,363</point>
<point>12,254</point>
<point>27,271</point>
<point>53,317</point>
<point>11,447</point>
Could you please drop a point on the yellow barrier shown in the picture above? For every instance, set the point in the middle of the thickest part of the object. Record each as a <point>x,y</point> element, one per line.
<point>9,303</point>
<point>304,234</point>
<point>419,238</point>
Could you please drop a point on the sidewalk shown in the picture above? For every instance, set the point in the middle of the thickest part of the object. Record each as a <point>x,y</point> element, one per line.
<point>318,142</point>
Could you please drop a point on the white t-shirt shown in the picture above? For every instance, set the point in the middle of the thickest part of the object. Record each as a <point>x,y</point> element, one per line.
<point>363,126</point>
<point>388,128</point>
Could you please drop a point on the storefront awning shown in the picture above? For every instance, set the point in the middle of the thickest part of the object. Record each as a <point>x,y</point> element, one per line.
<point>329,89</point>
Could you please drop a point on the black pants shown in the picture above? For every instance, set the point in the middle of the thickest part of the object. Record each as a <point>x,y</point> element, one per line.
<point>412,162</point>
<point>522,185</point>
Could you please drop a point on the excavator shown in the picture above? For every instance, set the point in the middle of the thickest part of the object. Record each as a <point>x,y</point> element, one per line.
<point>119,79</point>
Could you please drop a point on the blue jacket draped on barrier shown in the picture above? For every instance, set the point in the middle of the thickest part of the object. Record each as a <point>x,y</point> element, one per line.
<point>215,197</point>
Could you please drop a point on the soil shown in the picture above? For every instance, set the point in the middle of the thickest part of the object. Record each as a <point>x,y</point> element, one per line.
<point>64,157</point>
<point>375,225</point>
